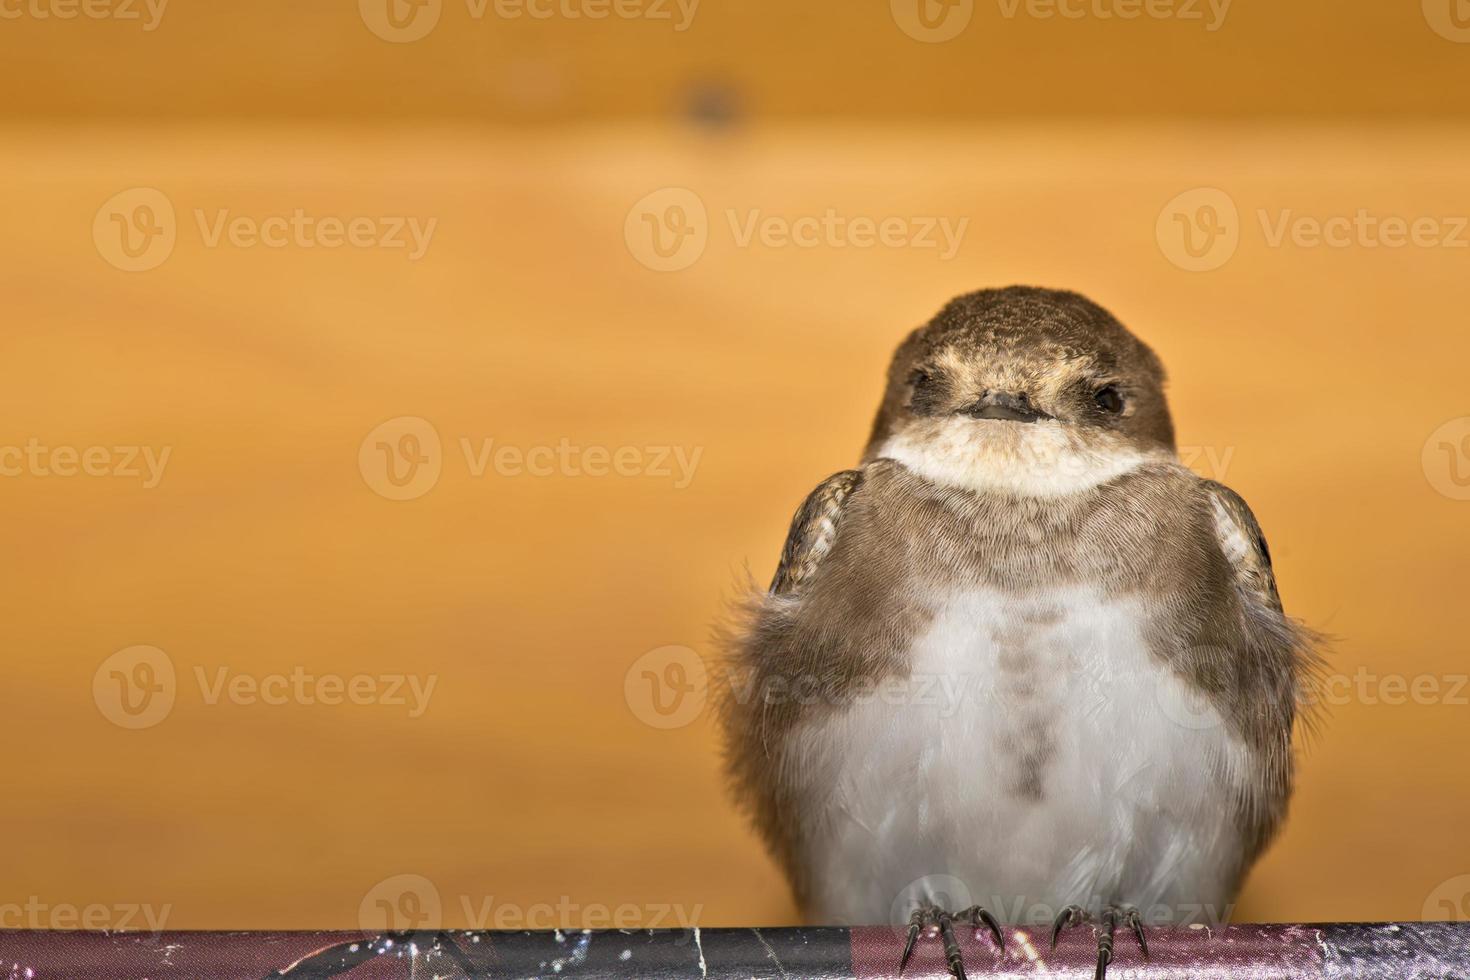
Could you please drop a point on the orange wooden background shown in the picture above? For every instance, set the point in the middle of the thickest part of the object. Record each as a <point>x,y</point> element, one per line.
<point>1323,381</point>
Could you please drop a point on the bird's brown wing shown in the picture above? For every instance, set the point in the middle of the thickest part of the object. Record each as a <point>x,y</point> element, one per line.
<point>813,531</point>
<point>1277,668</point>
<point>1244,545</point>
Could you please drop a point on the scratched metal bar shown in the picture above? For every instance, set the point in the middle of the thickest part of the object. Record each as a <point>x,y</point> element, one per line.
<point>1403,951</point>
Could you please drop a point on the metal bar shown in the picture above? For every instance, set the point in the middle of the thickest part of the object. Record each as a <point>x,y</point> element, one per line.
<point>1403,951</point>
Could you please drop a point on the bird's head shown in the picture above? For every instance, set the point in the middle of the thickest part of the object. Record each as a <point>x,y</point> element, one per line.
<point>1026,390</point>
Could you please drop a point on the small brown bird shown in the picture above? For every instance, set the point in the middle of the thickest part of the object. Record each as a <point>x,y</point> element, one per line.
<point>1020,654</point>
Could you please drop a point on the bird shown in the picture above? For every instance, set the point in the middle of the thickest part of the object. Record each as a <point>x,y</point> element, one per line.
<point>1020,654</point>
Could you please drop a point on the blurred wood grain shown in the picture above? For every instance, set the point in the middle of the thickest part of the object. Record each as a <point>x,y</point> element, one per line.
<point>557,60</point>
<point>1309,378</point>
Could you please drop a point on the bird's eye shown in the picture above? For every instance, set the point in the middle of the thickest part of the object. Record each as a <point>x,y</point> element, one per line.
<point>928,392</point>
<point>1109,399</point>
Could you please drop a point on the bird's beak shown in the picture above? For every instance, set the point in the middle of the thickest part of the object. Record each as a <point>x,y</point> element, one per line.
<point>1005,406</point>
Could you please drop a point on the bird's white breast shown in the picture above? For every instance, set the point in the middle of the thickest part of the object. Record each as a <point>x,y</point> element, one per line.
<point>1037,756</point>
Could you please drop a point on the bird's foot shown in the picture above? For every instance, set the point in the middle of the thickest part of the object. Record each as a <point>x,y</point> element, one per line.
<point>931,915</point>
<point>1074,915</point>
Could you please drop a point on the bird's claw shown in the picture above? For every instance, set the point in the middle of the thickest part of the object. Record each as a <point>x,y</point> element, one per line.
<point>977,915</point>
<point>932,915</point>
<point>1075,915</point>
<point>1067,918</point>
<point>1135,922</point>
